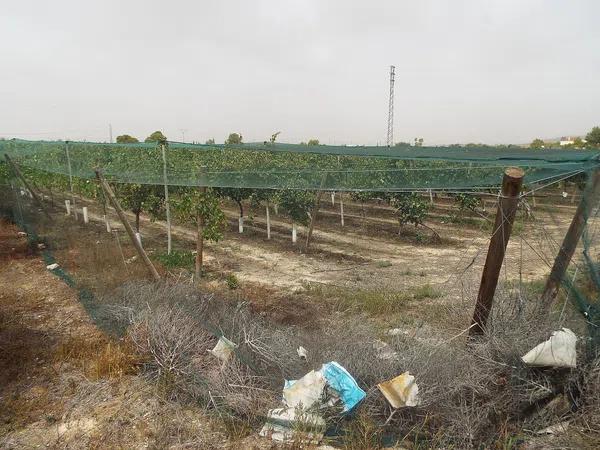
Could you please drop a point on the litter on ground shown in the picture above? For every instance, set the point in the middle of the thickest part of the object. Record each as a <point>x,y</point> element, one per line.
<point>401,391</point>
<point>558,351</point>
<point>305,392</point>
<point>223,349</point>
<point>52,266</point>
<point>344,384</point>
<point>293,425</point>
<point>302,353</point>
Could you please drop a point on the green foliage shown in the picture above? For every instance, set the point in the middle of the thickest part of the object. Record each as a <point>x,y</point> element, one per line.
<point>4,173</point>
<point>593,137</point>
<point>418,142</point>
<point>313,142</point>
<point>157,136</point>
<point>141,197</point>
<point>210,141</point>
<point>177,258</point>
<point>363,196</point>
<point>238,195</point>
<point>537,143</point>
<point>466,202</point>
<point>234,138</point>
<point>192,204</point>
<point>411,208</point>
<point>297,204</point>
<point>232,281</point>
<point>126,139</point>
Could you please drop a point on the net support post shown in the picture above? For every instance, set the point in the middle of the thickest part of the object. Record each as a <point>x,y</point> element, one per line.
<point>32,192</point>
<point>167,203</point>
<point>571,239</point>
<point>505,216</point>
<point>132,235</point>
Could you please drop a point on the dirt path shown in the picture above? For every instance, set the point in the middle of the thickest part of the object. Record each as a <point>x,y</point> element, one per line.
<point>349,257</point>
<point>63,383</point>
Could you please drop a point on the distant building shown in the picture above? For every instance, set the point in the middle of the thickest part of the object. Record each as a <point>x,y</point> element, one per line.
<point>567,140</point>
<point>570,140</point>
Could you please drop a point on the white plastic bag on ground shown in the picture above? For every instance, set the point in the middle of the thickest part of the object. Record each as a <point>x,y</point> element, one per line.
<point>305,392</point>
<point>558,351</point>
<point>401,391</point>
<point>292,425</point>
<point>223,349</point>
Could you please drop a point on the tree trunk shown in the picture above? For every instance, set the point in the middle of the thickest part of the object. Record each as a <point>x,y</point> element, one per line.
<point>137,220</point>
<point>241,207</point>
<point>199,243</point>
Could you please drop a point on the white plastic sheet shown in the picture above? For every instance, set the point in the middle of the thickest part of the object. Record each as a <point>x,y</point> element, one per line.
<point>305,392</point>
<point>291,425</point>
<point>558,351</point>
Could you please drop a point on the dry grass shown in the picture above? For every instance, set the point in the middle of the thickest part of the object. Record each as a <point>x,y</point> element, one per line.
<point>375,302</point>
<point>98,357</point>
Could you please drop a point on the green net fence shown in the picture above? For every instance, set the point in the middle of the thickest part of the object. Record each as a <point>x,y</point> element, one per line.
<point>291,166</point>
<point>370,264</point>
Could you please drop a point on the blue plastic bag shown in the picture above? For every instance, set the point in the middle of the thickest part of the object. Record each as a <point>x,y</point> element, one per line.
<point>342,382</point>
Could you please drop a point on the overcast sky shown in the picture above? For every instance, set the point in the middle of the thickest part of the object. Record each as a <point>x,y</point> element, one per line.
<point>494,71</point>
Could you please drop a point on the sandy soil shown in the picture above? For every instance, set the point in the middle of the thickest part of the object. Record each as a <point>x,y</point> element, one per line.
<point>63,383</point>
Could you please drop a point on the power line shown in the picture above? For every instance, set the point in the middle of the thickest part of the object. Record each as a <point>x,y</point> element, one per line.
<point>390,130</point>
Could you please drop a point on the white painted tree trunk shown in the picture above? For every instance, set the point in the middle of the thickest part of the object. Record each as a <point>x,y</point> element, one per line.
<point>138,236</point>
<point>241,224</point>
<point>431,196</point>
<point>333,199</point>
<point>86,219</point>
<point>68,206</point>
<point>342,209</point>
<point>276,208</point>
<point>294,233</point>
<point>107,222</point>
<point>268,222</point>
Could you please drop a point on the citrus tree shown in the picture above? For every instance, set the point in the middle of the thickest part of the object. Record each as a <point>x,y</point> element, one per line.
<point>201,207</point>
<point>410,208</point>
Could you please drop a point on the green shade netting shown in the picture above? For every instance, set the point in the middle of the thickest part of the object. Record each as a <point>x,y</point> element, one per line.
<point>293,166</point>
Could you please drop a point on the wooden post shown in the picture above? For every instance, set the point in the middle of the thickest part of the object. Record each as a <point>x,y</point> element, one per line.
<point>85,215</point>
<point>33,193</point>
<point>294,233</point>
<point>505,216</point>
<point>115,203</point>
<point>571,239</point>
<point>167,204</point>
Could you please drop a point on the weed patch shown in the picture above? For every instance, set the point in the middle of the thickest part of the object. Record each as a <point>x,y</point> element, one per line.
<point>371,301</point>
